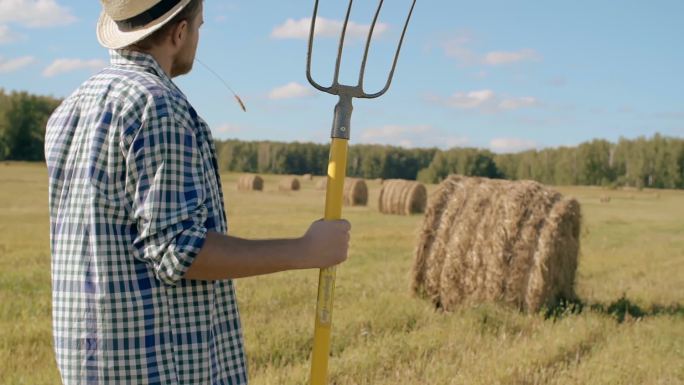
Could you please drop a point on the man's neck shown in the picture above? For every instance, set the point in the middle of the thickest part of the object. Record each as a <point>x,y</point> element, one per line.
<point>164,60</point>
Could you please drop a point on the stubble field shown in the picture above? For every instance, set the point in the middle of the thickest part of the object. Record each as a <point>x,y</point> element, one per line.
<point>630,280</point>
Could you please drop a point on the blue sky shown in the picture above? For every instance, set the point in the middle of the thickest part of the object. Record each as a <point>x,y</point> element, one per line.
<point>505,75</point>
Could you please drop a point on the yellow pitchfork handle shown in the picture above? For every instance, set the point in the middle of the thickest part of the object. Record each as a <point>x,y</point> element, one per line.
<point>337,168</point>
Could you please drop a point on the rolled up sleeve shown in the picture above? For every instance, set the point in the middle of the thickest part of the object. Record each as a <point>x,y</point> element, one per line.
<point>165,177</point>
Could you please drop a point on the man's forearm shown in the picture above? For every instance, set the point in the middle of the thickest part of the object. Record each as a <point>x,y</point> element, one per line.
<point>225,256</point>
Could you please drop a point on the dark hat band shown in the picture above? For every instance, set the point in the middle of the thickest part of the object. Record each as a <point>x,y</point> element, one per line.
<point>152,14</point>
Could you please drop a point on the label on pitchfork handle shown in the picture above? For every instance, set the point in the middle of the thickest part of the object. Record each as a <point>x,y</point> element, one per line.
<point>325,295</point>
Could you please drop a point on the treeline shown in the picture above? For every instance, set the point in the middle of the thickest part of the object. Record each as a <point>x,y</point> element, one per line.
<point>656,162</point>
<point>365,161</point>
<point>22,125</point>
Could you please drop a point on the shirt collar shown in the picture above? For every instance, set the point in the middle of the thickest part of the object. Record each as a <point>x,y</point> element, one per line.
<point>140,60</point>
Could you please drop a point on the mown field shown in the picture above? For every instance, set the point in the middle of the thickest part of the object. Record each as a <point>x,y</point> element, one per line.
<point>630,279</point>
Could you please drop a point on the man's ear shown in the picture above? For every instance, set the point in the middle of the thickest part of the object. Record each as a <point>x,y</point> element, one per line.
<point>179,33</point>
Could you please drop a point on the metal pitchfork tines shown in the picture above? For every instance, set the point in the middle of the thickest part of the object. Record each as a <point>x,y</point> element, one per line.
<point>337,167</point>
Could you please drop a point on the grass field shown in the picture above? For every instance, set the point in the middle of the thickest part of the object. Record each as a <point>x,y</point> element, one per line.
<point>631,279</point>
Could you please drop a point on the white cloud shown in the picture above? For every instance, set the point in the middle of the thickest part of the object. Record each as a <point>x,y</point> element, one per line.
<point>503,57</point>
<point>410,136</point>
<point>457,47</point>
<point>290,91</point>
<point>470,100</point>
<point>35,13</point>
<point>12,65</point>
<point>60,66</point>
<point>511,144</point>
<point>299,29</point>
<point>392,131</point>
<point>228,128</point>
<point>517,103</point>
<point>6,36</point>
<point>484,100</point>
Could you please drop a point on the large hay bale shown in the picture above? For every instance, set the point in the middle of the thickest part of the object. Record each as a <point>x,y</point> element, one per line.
<point>289,184</point>
<point>250,183</point>
<point>355,192</point>
<point>322,184</point>
<point>403,197</point>
<point>493,240</point>
<point>307,177</point>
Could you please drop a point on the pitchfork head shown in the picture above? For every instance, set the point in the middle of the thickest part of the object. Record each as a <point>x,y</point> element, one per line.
<point>348,90</point>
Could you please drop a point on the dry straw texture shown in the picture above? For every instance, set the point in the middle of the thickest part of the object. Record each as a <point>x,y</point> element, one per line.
<point>493,240</point>
<point>402,197</point>
<point>355,192</point>
<point>322,184</point>
<point>250,183</point>
<point>289,184</point>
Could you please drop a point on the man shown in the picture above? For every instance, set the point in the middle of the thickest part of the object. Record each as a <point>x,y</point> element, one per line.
<point>141,265</point>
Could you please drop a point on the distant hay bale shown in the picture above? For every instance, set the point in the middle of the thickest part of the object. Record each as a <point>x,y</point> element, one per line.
<point>403,197</point>
<point>289,184</point>
<point>355,192</point>
<point>604,199</point>
<point>307,177</point>
<point>322,184</point>
<point>493,240</point>
<point>250,183</point>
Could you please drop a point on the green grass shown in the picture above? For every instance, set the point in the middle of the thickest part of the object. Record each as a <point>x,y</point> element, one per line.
<point>630,279</point>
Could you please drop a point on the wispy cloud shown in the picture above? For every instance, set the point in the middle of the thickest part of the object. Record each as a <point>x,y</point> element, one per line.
<point>61,66</point>
<point>12,65</point>
<point>557,81</point>
<point>484,100</point>
<point>411,136</point>
<point>517,103</point>
<point>228,128</point>
<point>299,29</point>
<point>511,144</point>
<point>472,99</point>
<point>6,35</point>
<point>35,13</point>
<point>291,90</point>
<point>458,47</point>
<point>503,57</point>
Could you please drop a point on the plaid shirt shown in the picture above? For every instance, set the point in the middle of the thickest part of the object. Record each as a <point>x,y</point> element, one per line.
<point>134,188</point>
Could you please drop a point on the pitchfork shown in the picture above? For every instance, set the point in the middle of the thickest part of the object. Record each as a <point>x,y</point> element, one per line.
<point>337,167</point>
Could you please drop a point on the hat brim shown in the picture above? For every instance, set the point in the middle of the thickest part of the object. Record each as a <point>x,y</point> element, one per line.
<point>110,36</point>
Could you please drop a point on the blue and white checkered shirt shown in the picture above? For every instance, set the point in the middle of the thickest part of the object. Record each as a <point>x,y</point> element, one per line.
<point>134,188</point>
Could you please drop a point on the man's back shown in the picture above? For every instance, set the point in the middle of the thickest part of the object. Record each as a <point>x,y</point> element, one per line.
<point>134,189</point>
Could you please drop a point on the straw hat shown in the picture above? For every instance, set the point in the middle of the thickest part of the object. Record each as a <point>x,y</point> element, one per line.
<point>124,22</point>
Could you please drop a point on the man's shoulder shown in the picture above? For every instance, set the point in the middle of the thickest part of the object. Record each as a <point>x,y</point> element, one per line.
<point>132,91</point>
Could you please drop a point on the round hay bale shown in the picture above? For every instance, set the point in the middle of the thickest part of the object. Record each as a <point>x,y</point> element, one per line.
<point>604,199</point>
<point>497,241</point>
<point>289,184</point>
<point>322,184</point>
<point>403,197</point>
<point>355,192</point>
<point>250,183</point>
<point>307,177</point>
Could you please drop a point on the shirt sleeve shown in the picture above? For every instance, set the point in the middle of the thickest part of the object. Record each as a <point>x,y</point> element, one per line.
<point>165,177</point>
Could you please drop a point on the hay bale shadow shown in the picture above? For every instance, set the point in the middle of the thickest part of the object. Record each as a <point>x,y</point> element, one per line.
<point>622,309</point>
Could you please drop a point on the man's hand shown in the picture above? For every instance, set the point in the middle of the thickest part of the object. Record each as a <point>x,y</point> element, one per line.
<point>326,243</point>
